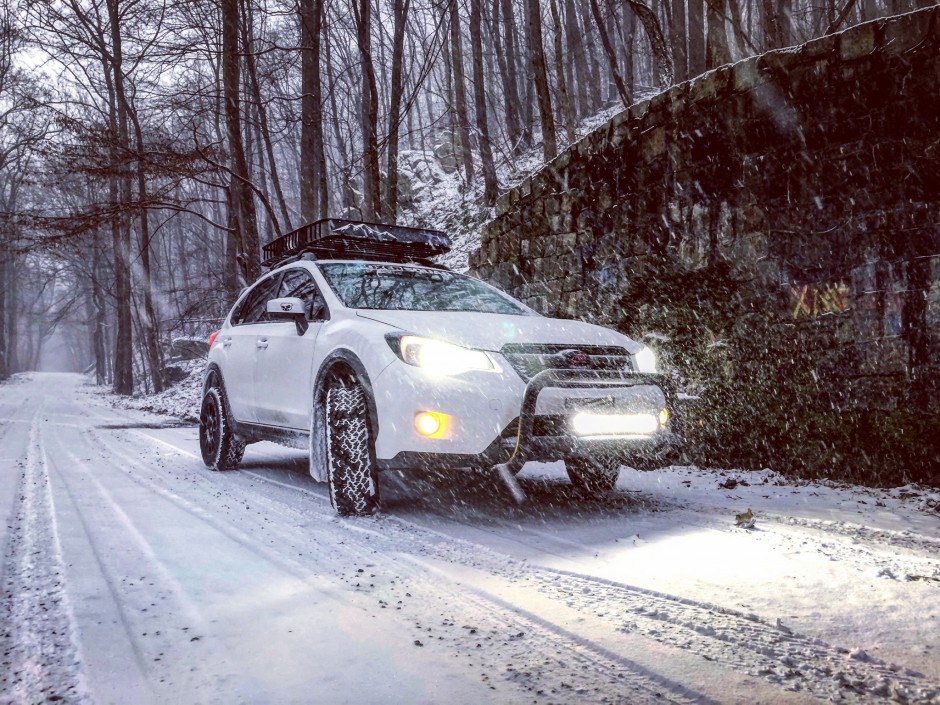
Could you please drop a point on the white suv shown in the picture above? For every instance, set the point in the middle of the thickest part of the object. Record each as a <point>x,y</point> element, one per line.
<point>360,349</point>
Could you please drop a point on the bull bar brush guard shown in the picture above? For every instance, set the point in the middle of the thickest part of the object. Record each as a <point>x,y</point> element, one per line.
<point>566,379</point>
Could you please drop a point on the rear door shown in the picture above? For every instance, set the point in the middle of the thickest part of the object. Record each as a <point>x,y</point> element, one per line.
<point>284,366</point>
<point>240,348</point>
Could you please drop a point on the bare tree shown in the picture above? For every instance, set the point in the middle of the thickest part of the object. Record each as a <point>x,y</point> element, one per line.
<point>566,110</point>
<point>244,218</point>
<point>717,52</point>
<point>314,200</point>
<point>490,186</point>
<point>537,63</point>
<point>600,22</point>
<point>400,10</point>
<point>371,207</point>
<point>460,94</point>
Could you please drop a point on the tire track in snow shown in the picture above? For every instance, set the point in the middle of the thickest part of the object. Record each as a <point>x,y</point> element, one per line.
<point>224,526</point>
<point>41,654</point>
<point>864,547</point>
<point>602,674</point>
<point>730,638</point>
<point>143,602</point>
<point>907,540</point>
<point>8,422</point>
<point>725,636</point>
<point>894,539</point>
<point>773,653</point>
<point>576,660</point>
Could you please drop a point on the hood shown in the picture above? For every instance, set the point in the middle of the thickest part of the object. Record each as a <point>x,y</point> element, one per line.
<point>490,331</point>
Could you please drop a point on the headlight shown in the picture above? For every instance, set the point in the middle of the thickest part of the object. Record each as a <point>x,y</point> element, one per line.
<point>645,360</point>
<point>438,357</point>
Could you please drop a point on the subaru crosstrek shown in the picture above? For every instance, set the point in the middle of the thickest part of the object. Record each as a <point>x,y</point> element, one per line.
<point>359,348</point>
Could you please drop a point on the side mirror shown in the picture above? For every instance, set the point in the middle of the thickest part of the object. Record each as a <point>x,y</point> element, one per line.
<point>290,308</point>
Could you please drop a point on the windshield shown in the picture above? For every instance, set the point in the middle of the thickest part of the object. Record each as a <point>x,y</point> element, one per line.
<point>395,287</point>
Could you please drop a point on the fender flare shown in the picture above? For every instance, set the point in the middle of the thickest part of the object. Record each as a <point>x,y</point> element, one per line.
<point>212,369</point>
<point>350,361</point>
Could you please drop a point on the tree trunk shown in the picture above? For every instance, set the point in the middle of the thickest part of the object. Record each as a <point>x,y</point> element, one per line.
<point>625,97</point>
<point>678,39</point>
<point>120,223</point>
<point>697,37</point>
<point>400,9</point>
<point>581,80</point>
<point>509,108</point>
<point>537,62</point>
<point>770,24</point>
<point>150,326</point>
<point>784,14</point>
<point>11,330</point>
<point>233,280</point>
<point>242,197</point>
<point>313,178</point>
<point>490,187</point>
<point>265,137</point>
<point>5,283</point>
<point>744,44</point>
<point>565,100</point>
<point>100,316</point>
<point>716,47</point>
<point>518,133</point>
<point>593,63</point>
<point>629,44</point>
<point>371,183</point>
<point>343,157</point>
<point>460,93</point>
<point>663,71</point>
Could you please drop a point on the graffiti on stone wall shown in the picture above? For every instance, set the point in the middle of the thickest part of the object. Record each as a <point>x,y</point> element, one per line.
<point>812,300</point>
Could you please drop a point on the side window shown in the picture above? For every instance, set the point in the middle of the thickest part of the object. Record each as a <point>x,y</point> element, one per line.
<point>299,283</point>
<point>254,310</point>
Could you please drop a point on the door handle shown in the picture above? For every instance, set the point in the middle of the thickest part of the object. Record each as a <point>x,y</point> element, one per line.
<point>262,343</point>
<point>227,343</point>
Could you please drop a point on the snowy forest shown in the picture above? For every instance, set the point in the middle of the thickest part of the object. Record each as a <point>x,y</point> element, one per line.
<point>148,148</point>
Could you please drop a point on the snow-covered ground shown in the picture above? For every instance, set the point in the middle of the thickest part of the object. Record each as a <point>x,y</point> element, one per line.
<point>132,574</point>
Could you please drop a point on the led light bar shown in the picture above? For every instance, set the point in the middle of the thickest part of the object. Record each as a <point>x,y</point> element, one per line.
<point>591,424</point>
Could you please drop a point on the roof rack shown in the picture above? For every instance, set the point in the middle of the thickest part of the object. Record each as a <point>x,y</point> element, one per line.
<point>336,238</point>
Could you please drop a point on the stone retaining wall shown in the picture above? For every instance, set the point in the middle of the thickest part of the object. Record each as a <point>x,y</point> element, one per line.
<point>772,228</point>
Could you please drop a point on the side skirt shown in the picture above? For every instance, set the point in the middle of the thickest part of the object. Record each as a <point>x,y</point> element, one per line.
<point>253,433</point>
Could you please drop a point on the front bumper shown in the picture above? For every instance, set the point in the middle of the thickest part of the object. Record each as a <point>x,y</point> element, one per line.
<point>530,445</point>
<point>538,428</point>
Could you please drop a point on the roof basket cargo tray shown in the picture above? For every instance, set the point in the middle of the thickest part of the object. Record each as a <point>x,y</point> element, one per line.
<point>335,238</point>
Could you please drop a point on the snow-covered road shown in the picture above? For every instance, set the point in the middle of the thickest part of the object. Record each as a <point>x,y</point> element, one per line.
<point>132,574</point>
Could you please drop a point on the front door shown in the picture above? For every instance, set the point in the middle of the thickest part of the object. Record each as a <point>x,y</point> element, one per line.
<point>240,348</point>
<point>283,371</point>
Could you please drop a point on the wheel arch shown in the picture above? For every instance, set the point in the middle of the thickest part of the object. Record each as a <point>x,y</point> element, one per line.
<point>214,372</point>
<point>346,363</point>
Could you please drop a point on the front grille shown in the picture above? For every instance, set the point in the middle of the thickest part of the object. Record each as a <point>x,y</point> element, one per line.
<point>530,359</point>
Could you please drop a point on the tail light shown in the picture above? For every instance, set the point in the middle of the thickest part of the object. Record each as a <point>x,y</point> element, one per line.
<point>212,338</point>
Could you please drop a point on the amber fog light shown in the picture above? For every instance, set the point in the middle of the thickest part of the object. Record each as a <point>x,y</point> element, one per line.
<point>430,423</point>
<point>663,418</point>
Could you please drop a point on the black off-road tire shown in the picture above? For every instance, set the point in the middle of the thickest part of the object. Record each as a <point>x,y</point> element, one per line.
<point>596,475</point>
<point>221,448</point>
<point>350,453</point>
